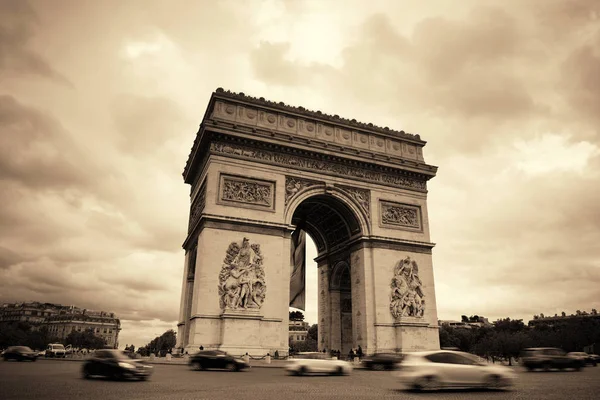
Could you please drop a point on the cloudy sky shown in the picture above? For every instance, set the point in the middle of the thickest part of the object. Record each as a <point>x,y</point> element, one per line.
<point>100,102</point>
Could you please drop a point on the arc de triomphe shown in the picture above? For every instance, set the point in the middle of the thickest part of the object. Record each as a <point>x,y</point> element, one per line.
<point>258,171</point>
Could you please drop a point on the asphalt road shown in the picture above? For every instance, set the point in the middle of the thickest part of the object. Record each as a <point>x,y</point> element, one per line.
<point>56,379</point>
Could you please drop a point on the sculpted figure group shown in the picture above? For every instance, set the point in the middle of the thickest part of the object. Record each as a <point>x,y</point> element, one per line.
<point>407,298</point>
<point>242,278</point>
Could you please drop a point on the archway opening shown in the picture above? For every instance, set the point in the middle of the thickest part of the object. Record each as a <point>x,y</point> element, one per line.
<point>330,225</point>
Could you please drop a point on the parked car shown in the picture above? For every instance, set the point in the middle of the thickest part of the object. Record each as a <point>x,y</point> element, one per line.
<point>19,353</point>
<point>548,358</point>
<point>382,361</point>
<point>56,350</point>
<point>314,362</point>
<point>116,365</point>
<point>432,370</point>
<point>206,359</point>
<point>586,358</point>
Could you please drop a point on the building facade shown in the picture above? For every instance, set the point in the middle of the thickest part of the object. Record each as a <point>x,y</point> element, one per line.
<point>62,320</point>
<point>298,331</point>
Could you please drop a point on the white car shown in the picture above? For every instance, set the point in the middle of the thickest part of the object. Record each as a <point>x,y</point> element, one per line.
<point>55,350</point>
<point>321,363</point>
<point>432,370</point>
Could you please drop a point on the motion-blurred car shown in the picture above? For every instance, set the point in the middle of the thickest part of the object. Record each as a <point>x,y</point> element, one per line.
<point>206,359</point>
<point>317,363</point>
<point>433,370</point>
<point>116,365</point>
<point>382,361</point>
<point>586,358</point>
<point>55,350</point>
<point>548,358</point>
<point>19,353</point>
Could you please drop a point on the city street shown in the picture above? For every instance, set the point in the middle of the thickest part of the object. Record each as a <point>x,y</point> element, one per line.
<point>58,379</point>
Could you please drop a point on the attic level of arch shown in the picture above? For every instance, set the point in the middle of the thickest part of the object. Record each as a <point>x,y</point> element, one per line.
<point>370,144</point>
<point>223,143</point>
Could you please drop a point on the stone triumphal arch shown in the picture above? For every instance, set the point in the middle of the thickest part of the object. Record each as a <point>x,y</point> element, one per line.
<point>261,173</point>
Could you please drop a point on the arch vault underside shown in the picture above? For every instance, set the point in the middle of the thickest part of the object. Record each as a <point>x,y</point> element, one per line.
<point>260,170</point>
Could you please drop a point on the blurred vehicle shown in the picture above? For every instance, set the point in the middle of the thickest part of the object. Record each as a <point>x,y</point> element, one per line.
<point>382,361</point>
<point>41,353</point>
<point>314,362</point>
<point>116,365</point>
<point>595,357</point>
<point>586,358</point>
<point>205,359</point>
<point>55,350</point>
<point>69,350</point>
<point>19,353</point>
<point>440,369</point>
<point>548,358</point>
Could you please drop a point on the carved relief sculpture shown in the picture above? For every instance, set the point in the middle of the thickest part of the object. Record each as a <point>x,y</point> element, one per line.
<point>401,215</point>
<point>294,185</point>
<point>407,299</point>
<point>362,196</point>
<point>246,192</point>
<point>242,278</point>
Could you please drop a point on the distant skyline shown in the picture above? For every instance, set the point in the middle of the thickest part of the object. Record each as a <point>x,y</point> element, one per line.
<point>100,102</point>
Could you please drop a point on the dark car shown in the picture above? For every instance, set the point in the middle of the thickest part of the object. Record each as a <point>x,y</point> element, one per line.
<point>548,358</point>
<point>382,361</point>
<point>19,353</point>
<point>216,359</point>
<point>115,364</point>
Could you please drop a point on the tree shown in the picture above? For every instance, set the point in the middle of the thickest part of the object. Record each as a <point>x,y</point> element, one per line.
<point>474,318</point>
<point>563,314</point>
<point>85,339</point>
<point>508,325</point>
<point>464,318</point>
<point>296,316</point>
<point>160,345</point>
<point>313,332</point>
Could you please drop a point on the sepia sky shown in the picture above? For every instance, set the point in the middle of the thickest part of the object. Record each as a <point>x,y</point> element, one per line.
<point>100,102</point>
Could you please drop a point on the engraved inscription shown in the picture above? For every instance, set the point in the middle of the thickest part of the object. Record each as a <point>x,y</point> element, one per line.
<point>315,164</point>
<point>401,215</point>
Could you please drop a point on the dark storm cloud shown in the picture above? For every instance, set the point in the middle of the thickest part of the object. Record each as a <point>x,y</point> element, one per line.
<point>18,23</point>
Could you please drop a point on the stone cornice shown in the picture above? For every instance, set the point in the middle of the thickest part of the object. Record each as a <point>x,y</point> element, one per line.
<point>334,119</point>
<point>299,123</point>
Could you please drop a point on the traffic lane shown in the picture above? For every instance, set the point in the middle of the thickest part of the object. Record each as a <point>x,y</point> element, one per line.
<point>55,379</point>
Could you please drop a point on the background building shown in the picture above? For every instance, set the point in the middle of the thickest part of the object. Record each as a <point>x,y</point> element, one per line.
<point>298,331</point>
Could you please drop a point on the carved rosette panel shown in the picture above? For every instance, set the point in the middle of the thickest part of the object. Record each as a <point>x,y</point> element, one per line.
<point>197,206</point>
<point>402,216</point>
<point>407,298</point>
<point>362,197</point>
<point>247,192</point>
<point>315,164</point>
<point>242,278</point>
<point>294,185</point>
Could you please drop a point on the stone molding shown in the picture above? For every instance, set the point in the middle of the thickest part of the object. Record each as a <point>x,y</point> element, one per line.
<point>400,216</point>
<point>197,207</point>
<point>241,191</point>
<point>319,164</point>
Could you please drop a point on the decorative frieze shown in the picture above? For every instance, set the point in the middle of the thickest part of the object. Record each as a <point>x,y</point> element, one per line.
<point>315,164</point>
<point>407,298</point>
<point>362,197</point>
<point>400,216</point>
<point>246,192</point>
<point>242,278</point>
<point>294,185</point>
<point>197,206</point>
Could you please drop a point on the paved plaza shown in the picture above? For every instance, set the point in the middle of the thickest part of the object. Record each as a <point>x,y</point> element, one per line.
<point>57,379</point>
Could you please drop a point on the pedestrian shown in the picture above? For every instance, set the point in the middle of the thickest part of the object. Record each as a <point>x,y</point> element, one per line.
<point>201,347</point>
<point>276,354</point>
<point>351,355</point>
<point>359,353</point>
